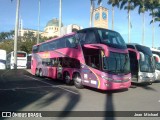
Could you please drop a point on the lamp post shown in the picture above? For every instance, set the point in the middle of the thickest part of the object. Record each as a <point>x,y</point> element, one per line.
<point>16,34</point>
<point>60,16</point>
<point>39,4</point>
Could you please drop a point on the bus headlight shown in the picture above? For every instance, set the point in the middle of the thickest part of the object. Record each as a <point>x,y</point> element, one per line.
<point>107,78</point>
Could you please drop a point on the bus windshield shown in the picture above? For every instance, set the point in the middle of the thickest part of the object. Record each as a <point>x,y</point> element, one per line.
<point>116,63</point>
<point>111,39</point>
<point>146,65</point>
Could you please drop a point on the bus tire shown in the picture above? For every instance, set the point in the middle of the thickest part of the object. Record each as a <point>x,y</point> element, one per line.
<point>67,78</point>
<point>77,81</point>
<point>40,73</point>
<point>37,72</point>
<point>150,83</point>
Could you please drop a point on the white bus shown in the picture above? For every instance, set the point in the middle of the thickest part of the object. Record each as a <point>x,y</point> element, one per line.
<point>156,54</point>
<point>3,59</point>
<point>21,60</point>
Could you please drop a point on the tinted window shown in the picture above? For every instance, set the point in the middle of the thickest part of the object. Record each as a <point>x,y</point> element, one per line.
<point>62,61</point>
<point>19,54</point>
<point>111,39</point>
<point>117,63</point>
<point>52,45</point>
<point>43,47</point>
<point>87,37</point>
<point>71,42</point>
<point>35,49</point>
<point>144,50</point>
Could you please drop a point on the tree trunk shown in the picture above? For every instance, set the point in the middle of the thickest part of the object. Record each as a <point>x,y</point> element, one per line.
<point>129,23</point>
<point>143,29</point>
<point>152,30</point>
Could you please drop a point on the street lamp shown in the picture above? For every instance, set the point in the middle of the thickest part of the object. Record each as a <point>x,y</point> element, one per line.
<point>60,16</point>
<point>16,34</point>
<point>39,4</point>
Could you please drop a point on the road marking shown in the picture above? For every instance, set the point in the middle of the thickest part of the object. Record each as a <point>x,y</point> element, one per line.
<point>13,89</point>
<point>158,100</point>
<point>66,89</point>
<point>52,85</point>
<point>38,80</point>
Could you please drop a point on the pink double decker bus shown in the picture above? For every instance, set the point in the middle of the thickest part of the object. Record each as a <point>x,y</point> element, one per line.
<point>93,57</point>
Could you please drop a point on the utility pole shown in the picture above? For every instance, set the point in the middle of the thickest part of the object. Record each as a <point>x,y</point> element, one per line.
<point>39,5</point>
<point>60,16</point>
<point>16,34</point>
<point>112,18</point>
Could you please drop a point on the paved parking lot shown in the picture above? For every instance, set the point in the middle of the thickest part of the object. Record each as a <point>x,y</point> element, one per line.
<point>20,91</point>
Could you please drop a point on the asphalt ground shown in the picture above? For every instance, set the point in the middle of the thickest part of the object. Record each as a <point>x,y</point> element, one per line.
<point>21,91</point>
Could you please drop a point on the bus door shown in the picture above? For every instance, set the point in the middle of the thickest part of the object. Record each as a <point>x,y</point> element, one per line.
<point>157,66</point>
<point>93,61</point>
<point>134,64</point>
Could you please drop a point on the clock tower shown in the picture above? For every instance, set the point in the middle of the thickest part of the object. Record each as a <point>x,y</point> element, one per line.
<point>101,17</point>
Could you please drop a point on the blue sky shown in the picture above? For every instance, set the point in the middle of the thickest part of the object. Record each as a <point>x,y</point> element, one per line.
<point>74,12</point>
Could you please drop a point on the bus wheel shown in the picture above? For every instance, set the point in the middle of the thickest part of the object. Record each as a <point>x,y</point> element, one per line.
<point>40,73</point>
<point>150,83</point>
<point>67,79</point>
<point>77,80</point>
<point>37,72</point>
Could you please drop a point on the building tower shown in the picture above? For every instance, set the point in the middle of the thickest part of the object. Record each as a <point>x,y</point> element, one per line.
<point>101,17</point>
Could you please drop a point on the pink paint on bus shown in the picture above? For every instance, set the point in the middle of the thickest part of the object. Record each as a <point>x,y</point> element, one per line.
<point>91,64</point>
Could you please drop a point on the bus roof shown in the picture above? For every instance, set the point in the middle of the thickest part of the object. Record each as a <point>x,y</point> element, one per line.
<point>91,28</point>
<point>153,49</point>
<point>2,50</point>
<point>134,44</point>
<point>18,51</point>
<point>95,28</point>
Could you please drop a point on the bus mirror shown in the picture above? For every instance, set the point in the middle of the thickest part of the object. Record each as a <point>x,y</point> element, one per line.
<point>142,56</point>
<point>156,58</point>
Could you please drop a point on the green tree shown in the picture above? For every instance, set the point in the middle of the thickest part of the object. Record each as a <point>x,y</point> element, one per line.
<point>6,35</point>
<point>128,5</point>
<point>7,45</point>
<point>29,36</point>
<point>142,7</point>
<point>113,3</point>
<point>154,6</point>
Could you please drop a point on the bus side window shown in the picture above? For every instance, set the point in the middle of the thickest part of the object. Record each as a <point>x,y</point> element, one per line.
<point>71,42</point>
<point>35,49</point>
<point>81,37</point>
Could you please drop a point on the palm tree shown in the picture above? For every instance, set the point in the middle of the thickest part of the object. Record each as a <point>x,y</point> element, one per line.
<point>113,3</point>
<point>152,6</point>
<point>142,7</point>
<point>128,5</point>
<point>91,12</point>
